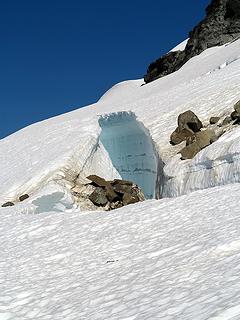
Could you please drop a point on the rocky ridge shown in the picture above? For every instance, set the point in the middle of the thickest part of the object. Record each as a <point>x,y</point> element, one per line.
<point>220,26</point>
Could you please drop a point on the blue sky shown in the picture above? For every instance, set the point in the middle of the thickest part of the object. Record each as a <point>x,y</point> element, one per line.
<point>59,55</point>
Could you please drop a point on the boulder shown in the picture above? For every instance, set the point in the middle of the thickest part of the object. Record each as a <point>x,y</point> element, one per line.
<point>135,195</point>
<point>110,193</point>
<point>205,138</point>
<point>235,116</point>
<point>98,197</point>
<point>23,197</point>
<point>201,140</point>
<point>98,181</point>
<point>214,120</point>
<point>190,151</point>
<point>188,120</point>
<point>123,182</point>
<point>237,107</point>
<point>8,204</point>
<point>179,136</point>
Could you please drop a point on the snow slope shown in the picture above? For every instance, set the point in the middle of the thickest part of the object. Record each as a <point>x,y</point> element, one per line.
<point>169,259</point>
<point>175,258</point>
<point>208,85</point>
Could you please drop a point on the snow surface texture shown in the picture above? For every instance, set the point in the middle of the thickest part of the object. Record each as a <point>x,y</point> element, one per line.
<point>170,259</point>
<point>175,258</point>
<point>59,148</point>
<point>131,150</point>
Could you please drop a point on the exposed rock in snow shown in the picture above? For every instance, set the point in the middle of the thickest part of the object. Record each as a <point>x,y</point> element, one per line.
<point>214,120</point>
<point>131,150</point>
<point>106,195</point>
<point>197,142</point>
<point>220,26</point>
<point>168,259</point>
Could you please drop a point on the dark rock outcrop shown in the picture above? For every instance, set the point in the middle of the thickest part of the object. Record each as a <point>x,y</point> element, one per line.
<point>221,25</point>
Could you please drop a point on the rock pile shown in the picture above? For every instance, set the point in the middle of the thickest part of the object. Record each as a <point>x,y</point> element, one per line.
<point>221,25</point>
<point>108,195</point>
<point>189,130</point>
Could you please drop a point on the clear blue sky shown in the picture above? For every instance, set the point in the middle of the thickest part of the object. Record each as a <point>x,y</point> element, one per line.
<point>58,55</point>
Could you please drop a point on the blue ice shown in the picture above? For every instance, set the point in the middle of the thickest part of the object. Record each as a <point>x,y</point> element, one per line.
<point>131,150</point>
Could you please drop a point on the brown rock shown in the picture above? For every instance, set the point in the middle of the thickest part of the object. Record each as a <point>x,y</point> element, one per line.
<point>98,181</point>
<point>205,138</point>
<point>190,151</point>
<point>179,135</point>
<point>98,197</point>
<point>110,193</point>
<point>119,181</point>
<point>129,198</point>
<point>201,140</point>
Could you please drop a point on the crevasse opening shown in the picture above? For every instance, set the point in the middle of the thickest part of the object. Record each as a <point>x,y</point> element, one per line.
<point>131,150</point>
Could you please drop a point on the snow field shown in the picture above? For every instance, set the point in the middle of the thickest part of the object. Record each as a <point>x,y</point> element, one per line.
<point>168,259</point>
<point>46,149</point>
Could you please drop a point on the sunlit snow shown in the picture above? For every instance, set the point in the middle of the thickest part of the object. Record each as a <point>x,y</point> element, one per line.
<point>173,258</point>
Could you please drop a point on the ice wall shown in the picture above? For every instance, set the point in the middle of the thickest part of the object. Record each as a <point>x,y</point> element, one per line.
<point>216,165</point>
<point>131,149</point>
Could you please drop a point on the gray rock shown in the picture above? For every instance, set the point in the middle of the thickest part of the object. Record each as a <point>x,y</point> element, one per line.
<point>214,120</point>
<point>221,25</point>
<point>8,204</point>
<point>188,120</point>
<point>98,197</point>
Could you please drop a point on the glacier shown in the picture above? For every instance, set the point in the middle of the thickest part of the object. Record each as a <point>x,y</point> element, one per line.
<point>173,258</point>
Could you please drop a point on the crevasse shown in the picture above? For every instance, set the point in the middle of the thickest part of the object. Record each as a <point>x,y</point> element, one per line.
<point>131,150</point>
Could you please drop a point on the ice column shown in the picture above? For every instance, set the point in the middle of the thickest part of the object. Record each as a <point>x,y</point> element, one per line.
<point>131,149</point>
